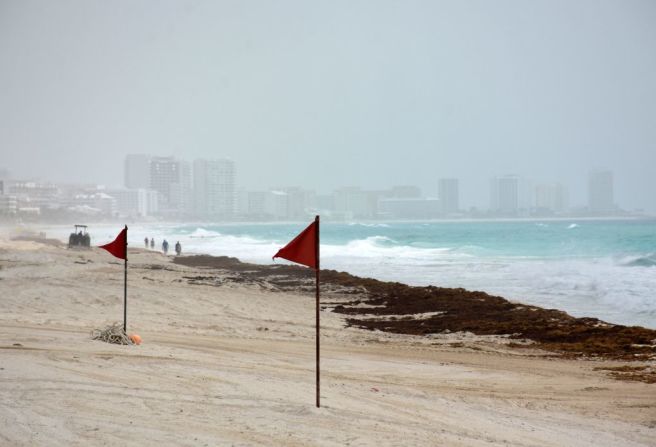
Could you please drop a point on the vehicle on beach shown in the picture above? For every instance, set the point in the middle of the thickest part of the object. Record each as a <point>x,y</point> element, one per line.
<point>79,238</point>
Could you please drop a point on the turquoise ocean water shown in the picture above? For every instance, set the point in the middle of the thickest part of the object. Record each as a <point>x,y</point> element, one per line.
<point>604,269</point>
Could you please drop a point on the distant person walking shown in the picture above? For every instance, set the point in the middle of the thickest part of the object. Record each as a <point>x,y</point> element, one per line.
<point>178,248</point>
<point>152,243</point>
<point>146,242</point>
<point>165,247</point>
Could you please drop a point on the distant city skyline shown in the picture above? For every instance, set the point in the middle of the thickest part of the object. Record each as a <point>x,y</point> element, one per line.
<point>471,194</point>
<point>575,197</point>
<point>322,95</point>
<point>165,187</point>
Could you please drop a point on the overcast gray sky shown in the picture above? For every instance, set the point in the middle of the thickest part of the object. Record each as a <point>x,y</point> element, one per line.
<point>323,94</point>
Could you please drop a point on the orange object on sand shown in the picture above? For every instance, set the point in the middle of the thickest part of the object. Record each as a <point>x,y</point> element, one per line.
<point>136,339</point>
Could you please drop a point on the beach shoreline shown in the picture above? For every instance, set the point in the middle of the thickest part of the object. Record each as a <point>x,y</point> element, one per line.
<point>413,310</point>
<point>228,359</point>
<point>601,269</point>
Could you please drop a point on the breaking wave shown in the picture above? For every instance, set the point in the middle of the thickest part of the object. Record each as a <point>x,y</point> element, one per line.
<point>369,225</point>
<point>648,260</point>
<point>382,247</point>
<point>203,233</point>
<point>585,277</point>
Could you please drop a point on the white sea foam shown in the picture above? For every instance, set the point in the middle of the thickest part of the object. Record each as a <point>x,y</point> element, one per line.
<point>381,248</point>
<point>369,225</point>
<point>646,260</point>
<point>202,233</point>
<point>583,287</point>
<point>618,289</point>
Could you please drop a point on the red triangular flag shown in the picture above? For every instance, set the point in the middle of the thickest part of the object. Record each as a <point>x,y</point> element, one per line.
<point>303,248</point>
<point>119,247</point>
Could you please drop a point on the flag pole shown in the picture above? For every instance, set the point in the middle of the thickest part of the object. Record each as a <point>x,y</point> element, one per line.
<point>301,251</point>
<point>125,284</point>
<point>316,219</point>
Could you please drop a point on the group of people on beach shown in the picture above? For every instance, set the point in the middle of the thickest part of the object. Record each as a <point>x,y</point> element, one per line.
<point>165,246</point>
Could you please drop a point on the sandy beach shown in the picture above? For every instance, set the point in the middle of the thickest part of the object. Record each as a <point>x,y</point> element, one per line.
<point>227,361</point>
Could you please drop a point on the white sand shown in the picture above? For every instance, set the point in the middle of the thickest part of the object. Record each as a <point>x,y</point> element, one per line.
<point>209,373</point>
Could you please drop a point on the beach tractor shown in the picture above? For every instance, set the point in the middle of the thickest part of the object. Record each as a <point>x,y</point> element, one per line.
<point>79,238</point>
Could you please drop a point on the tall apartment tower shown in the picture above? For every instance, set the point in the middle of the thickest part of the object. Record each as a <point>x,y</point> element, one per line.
<point>405,192</point>
<point>214,188</point>
<point>449,195</point>
<point>550,198</point>
<point>171,178</point>
<point>600,192</point>
<point>504,195</point>
<point>137,171</point>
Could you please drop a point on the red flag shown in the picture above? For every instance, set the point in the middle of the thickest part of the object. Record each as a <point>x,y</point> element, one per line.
<point>303,248</point>
<point>119,247</point>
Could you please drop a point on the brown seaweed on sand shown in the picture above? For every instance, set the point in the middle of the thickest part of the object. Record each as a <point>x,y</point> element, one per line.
<point>402,309</point>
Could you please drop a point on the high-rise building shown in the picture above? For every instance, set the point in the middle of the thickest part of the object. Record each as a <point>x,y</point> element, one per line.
<point>214,188</point>
<point>171,178</point>
<point>550,198</point>
<point>405,192</point>
<point>325,203</point>
<point>137,171</point>
<point>135,202</point>
<point>301,203</point>
<point>449,195</point>
<point>35,195</point>
<point>256,204</point>
<point>504,195</point>
<point>600,192</point>
<point>8,203</point>
<point>92,203</point>
<point>277,204</point>
<point>353,202</point>
<point>408,208</point>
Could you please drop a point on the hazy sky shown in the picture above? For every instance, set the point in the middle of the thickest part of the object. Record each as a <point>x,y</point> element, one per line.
<point>323,94</point>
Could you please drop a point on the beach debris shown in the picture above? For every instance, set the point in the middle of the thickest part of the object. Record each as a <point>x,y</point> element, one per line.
<point>136,339</point>
<point>637,373</point>
<point>112,334</point>
<point>398,308</point>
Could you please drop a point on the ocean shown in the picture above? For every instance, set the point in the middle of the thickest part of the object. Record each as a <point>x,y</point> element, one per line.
<point>604,269</point>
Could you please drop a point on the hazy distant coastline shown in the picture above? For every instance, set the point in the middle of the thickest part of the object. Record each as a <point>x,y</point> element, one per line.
<point>70,220</point>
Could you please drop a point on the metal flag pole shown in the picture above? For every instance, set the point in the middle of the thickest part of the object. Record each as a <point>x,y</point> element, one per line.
<point>316,219</point>
<point>125,284</point>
